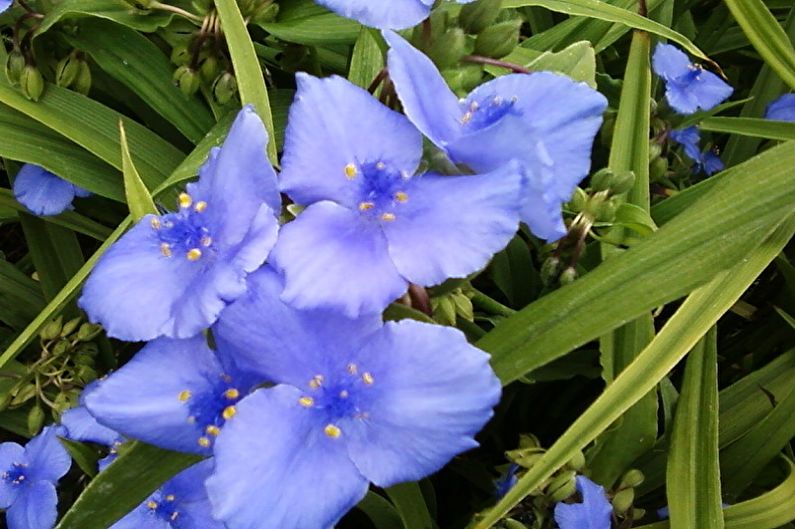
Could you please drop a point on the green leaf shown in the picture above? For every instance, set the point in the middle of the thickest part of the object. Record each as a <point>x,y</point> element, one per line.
<point>250,81</point>
<point>380,511</point>
<point>693,484</point>
<point>635,218</point>
<point>697,314</point>
<point>116,10</point>
<point>755,127</point>
<point>20,297</point>
<point>767,36</point>
<point>577,61</point>
<point>85,456</point>
<point>68,219</point>
<point>410,505</point>
<point>304,22</point>
<point>121,487</point>
<point>138,198</point>
<point>367,59</point>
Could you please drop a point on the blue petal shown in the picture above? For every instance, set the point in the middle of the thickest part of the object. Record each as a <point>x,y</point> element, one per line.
<point>82,426</point>
<point>593,513</point>
<point>47,459</point>
<point>710,90</point>
<point>669,62</point>
<point>451,226</point>
<point>42,192</point>
<point>782,109</point>
<point>10,453</point>
<point>395,14</point>
<point>711,163</point>
<point>334,124</point>
<point>35,508</point>
<point>142,517</point>
<point>82,193</point>
<point>334,258</point>
<point>431,393</point>
<point>274,467</point>
<point>428,102</point>
<point>191,501</point>
<point>154,396</point>
<point>690,139</point>
<point>540,206</point>
<point>5,4</point>
<point>289,346</point>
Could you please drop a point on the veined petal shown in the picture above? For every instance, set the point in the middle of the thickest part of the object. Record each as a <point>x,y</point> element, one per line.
<point>142,517</point>
<point>669,62</point>
<point>35,508</point>
<point>10,454</point>
<point>334,128</point>
<point>427,100</point>
<point>690,139</point>
<point>190,499</point>
<point>540,206</point>
<point>431,393</point>
<point>42,192</point>
<point>593,513</point>
<point>167,395</point>
<point>275,467</point>
<point>289,345</point>
<point>82,426</point>
<point>334,258</point>
<point>782,109</point>
<point>451,226</point>
<point>396,14</point>
<point>48,460</point>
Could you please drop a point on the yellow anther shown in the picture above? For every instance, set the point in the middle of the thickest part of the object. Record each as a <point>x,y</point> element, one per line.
<point>388,217</point>
<point>151,504</point>
<point>155,223</point>
<point>213,430</point>
<point>466,118</point>
<point>352,368</point>
<point>364,206</point>
<point>200,206</point>
<point>368,379</point>
<point>204,442</point>
<point>194,254</point>
<point>332,431</point>
<point>344,394</point>
<point>206,241</point>
<point>231,394</point>
<point>184,395</point>
<point>229,412</point>
<point>350,171</point>
<point>316,381</point>
<point>165,249</point>
<point>185,200</point>
<point>400,196</point>
<point>171,497</point>
<point>306,402</point>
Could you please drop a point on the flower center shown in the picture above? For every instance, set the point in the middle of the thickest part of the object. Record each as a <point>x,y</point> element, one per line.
<point>184,232</point>
<point>211,409</point>
<point>164,507</point>
<point>485,111</point>
<point>16,474</point>
<point>381,189</point>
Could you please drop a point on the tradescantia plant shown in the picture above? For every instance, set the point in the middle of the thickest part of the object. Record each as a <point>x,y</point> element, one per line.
<point>408,264</point>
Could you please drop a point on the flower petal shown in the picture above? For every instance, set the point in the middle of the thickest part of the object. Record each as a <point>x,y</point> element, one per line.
<point>289,345</point>
<point>396,14</point>
<point>782,109</point>
<point>142,517</point>
<point>431,393</point>
<point>35,508</point>
<point>427,100</point>
<point>593,513</point>
<point>274,467</point>
<point>540,206</point>
<point>47,458</point>
<point>334,258</point>
<point>154,395</point>
<point>10,453</point>
<point>42,192</point>
<point>334,124</point>
<point>82,426</point>
<point>690,140</point>
<point>191,501</point>
<point>669,62</point>
<point>451,226</point>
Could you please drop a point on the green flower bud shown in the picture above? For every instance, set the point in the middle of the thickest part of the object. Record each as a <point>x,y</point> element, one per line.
<point>444,310</point>
<point>266,13</point>
<point>52,330</point>
<point>578,200</point>
<point>180,55</point>
<point>70,326</point>
<point>577,462</point>
<point>622,182</point>
<point>86,374</point>
<point>5,401</point>
<point>35,420</point>
<point>477,16</point>
<point>62,402</point>
<point>88,331</point>
<point>655,150</point>
<point>209,68</point>
<point>464,78</point>
<point>632,478</point>
<point>31,82</point>
<point>84,359</point>
<point>66,71</point>
<point>528,440</point>
<point>568,276</point>
<point>600,181</point>
<point>14,66</point>
<point>498,40</point>
<point>61,347</point>
<point>550,269</point>
<point>463,305</point>
<point>658,168</point>
<point>622,501</point>
<point>187,80</point>
<point>509,523</point>
<point>562,486</point>
<point>23,394</point>
<point>225,88</point>
<point>82,84</point>
<point>606,212</point>
<point>448,49</point>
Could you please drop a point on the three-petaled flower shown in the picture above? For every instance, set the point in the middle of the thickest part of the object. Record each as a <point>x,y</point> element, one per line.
<point>44,193</point>
<point>593,512</point>
<point>394,14</point>
<point>690,139</point>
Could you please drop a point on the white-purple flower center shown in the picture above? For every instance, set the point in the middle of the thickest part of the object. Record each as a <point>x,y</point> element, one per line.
<point>380,189</point>
<point>479,113</point>
<point>16,474</point>
<point>211,409</point>
<point>184,232</point>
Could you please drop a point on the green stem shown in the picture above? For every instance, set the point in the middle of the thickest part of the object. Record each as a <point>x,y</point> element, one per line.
<point>490,305</point>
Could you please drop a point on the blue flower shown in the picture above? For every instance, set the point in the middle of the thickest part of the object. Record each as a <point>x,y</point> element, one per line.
<point>782,109</point>
<point>371,227</point>
<point>181,503</point>
<point>44,193</point>
<point>506,481</point>
<point>544,120</point>
<point>394,14</point>
<point>5,4</point>
<point>690,139</point>
<point>354,401</point>
<point>711,163</point>
<point>27,480</point>
<point>175,394</point>
<point>81,426</point>
<point>171,275</point>
<point>593,513</point>
<point>688,87</point>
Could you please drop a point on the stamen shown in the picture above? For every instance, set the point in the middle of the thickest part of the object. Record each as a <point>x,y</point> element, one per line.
<point>402,197</point>
<point>332,431</point>
<point>184,395</point>
<point>174,515</point>
<point>206,241</point>
<point>231,393</point>
<point>229,412</point>
<point>368,379</point>
<point>344,394</point>
<point>380,166</point>
<point>350,171</point>
<point>352,368</point>
<point>389,217</point>
<point>191,420</point>
<point>185,200</point>
<point>170,497</point>
<point>316,381</point>
<point>204,442</point>
<point>306,402</point>
<point>213,430</point>
<point>151,504</point>
<point>194,254</point>
<point>165,249</point>
<point>155,223</point>
<point>365,206</point>
<point>200,206</point>
<point>466,118</point>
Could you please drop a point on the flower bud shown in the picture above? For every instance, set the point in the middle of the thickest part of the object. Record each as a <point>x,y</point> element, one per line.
<point>225,88</point>
<point>600,181</point>
<point>66,71</point>
<point>24,394</point>
<point>658,168</point>
<point>84,359</point>
<point>31,82</point>
<point>622,501</point>
<point>577,462</point>
<point>498,40</point>
<point>632,478</point>
<point>52,330</point>
<point>187,80</point>
<point>562,486</point>
<point>509,523</point>
<point>210,68</point>
<point>578,200</point>
<point>35,419</point>
<point>444,310</point>
<point>477,16</point>
<point>88,331</point>
<point>655,150</point>
<point>70,326</point>
<point>622,182</point>
<point>550,269</point>
<point>266,12</point>
<point>86,374</point>
<point>180,55</point>
<point>82,83</point>
<point>14,66</point>
<point>61,347</point>
<point>606,211</point>
<point>463,78</point>
<point>448,49</point>
<point>568,276</point>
